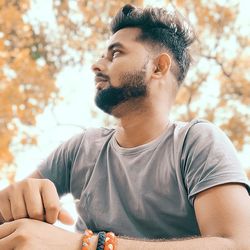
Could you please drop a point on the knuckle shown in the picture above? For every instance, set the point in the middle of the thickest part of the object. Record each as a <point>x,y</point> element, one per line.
<point>36,214</point>
<point>27,183</point>
<point>48,183</point>
<point>52,208</point>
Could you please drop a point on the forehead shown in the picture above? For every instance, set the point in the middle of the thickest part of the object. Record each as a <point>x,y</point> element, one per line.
<point>127,37</point>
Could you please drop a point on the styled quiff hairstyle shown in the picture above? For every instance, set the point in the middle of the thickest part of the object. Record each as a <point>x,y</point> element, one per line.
<point>163,30</point>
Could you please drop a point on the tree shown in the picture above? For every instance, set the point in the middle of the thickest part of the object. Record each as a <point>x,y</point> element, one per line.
<point>31,56</point>
<point>221,72</point>
<point>222,46</point>
<point>27,81</point>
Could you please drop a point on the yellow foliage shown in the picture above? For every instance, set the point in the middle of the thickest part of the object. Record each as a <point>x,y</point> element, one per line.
<point>223,47</point>
<point>237,128</point>
<point>26,87</point>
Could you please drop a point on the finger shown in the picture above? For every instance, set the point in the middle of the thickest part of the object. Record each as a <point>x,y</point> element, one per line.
<point>7,229</point>
<point>50,201</point>
<point>65,217</point>
<point>34,204</point>
<point>18,208</point>
<point>5,210</point>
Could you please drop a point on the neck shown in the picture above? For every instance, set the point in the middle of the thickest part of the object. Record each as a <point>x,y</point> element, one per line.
<point>140,127</point>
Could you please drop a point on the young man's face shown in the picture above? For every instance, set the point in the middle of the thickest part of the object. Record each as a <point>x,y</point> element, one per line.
<point>121,74</point>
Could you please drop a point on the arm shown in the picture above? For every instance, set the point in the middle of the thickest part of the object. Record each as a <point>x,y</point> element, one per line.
<point>223,215</point>
<point>36,197</point>
<point>26,234</point>
<point>222,211</point>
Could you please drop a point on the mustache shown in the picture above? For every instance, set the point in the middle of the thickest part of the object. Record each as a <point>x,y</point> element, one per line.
<point>102,76</point>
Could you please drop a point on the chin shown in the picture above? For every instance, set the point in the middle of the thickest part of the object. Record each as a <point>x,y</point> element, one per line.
<point>120,110</point>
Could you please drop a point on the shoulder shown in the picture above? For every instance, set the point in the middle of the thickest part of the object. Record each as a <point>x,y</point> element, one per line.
<point>201,139</point>
<point>101,132</point>
<point>89,136</point>
<point>193,124</point>
<point>198,129</point>
<point>97,135</point>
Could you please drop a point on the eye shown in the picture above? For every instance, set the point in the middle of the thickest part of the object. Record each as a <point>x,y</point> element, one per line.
<point>115,53</point>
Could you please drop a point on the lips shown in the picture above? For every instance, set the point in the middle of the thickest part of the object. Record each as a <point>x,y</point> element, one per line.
<point>101,85</point>
<point>100,82</point>
<point>100,79</point>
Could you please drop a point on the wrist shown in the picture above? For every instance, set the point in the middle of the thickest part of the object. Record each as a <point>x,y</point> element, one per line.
<point>94,240</point>
<point>78,241</point>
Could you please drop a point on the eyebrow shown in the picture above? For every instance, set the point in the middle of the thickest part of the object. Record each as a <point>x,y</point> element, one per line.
<point>114,45</point>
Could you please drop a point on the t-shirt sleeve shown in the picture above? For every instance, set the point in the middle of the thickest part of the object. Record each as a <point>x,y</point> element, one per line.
<point>209,159</point>
<point>57,167</point>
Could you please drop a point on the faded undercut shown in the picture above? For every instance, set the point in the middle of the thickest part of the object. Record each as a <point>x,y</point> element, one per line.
<point>161,29</point>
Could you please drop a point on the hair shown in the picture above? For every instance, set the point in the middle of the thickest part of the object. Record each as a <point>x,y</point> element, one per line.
<point>162,29</point>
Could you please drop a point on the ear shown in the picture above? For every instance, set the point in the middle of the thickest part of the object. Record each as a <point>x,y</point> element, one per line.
<point>161,65</point>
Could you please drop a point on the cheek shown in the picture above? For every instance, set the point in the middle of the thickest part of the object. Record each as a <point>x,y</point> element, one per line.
<point>121,66</point>
<point>116,70</point>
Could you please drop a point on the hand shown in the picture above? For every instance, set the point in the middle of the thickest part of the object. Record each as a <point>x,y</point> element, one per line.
<point>26,234</point>
<point>32,198</point>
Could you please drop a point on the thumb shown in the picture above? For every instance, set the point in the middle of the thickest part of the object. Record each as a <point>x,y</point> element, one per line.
<point>65,217</point>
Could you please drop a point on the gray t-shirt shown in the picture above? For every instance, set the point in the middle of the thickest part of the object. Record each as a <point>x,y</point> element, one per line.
<point>145,191</point>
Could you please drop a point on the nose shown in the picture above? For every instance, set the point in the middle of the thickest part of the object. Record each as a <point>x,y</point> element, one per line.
<point>99,66</point>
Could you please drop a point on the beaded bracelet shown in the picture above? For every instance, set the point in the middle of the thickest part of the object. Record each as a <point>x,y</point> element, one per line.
<point>101,240</point>
<point>110,241</point>
<point>86,239</point>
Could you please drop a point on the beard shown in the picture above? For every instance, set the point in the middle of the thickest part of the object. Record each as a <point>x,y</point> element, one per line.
<point>133,86</point>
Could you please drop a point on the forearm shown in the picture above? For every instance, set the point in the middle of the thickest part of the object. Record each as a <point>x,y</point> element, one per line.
<point>206,243</point>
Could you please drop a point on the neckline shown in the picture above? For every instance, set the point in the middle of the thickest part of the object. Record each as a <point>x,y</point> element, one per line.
<point>147,146</point>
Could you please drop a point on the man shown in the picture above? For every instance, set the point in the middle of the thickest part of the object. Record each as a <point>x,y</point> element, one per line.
<point>149,178</point>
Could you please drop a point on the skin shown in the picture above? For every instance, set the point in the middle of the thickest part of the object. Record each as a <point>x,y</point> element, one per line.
<point>224,224</point>
<point>150,114</point>
<point>33,198</point>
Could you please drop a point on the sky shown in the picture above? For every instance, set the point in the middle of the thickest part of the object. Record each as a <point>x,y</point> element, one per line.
<point>76,86</point>
<point>59,123</point>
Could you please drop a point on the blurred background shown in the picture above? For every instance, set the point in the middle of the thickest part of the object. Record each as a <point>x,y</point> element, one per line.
<point>47,87</point>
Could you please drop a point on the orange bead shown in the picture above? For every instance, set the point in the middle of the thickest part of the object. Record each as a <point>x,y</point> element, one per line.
<point>110,241</point>
<point>86,239</point>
